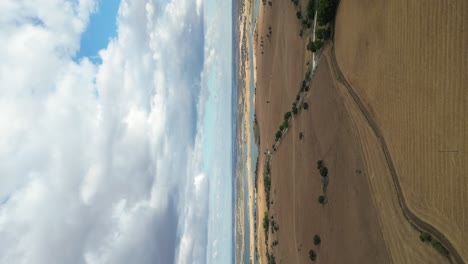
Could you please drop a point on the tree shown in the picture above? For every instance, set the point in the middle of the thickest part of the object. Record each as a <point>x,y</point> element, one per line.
<point>322,33</point>
<point>298,14</point>
<point>311,9</point>
<point>266,222</point>
<point>278,134</point>
<point>425,237</point>
<point>294,110</point>
<point>287,115</point>
<point>306,106</point>
<point>321,199</point>
<point>319,164</point>
<point>439,247</point>
<point>312,255</point>
<point>326,11</point>
<point>315,45</point>
<point>317,240</point>
<point>324,171</point>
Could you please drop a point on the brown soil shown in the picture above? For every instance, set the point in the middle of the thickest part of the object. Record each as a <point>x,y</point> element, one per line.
<point>348,224</point>
<point>408,63</point>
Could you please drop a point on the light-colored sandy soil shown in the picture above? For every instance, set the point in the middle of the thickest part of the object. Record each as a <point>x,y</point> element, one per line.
<point>244,106</point>
<point>408,61</point>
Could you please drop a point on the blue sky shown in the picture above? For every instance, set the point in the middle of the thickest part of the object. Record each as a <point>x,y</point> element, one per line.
<point>138,174</point>
<point>102,27</point>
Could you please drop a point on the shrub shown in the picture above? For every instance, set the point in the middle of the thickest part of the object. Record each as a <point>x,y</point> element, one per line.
<point>298,14</point>
<point>287,115</point>
<point>438,246</point>
<point>311,9</point>
<point>266,222</point>
<point>294,110</point>
<point>314,46</point>
<point>306,106</point>
<point>278,134</point>
<point>322,33</point>
<point>312,255</point>
<point>317,240</point>
<point>320,164</point>
<point>324,171</point>
<point>321,199</point>
<point>425,237</point>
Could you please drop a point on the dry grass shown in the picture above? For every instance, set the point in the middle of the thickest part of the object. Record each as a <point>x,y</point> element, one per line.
<point>409,63</point>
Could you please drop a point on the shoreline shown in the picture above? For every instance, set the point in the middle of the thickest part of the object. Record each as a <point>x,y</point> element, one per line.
<point>245,20</point>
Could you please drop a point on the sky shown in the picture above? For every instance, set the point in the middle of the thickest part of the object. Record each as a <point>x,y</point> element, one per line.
<point>115,131</point>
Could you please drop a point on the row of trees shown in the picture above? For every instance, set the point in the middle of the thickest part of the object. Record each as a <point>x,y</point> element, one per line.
<point>312,254</point>
<point>426,237</point>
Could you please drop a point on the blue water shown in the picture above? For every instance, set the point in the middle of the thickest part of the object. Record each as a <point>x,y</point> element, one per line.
<point>218,127</point>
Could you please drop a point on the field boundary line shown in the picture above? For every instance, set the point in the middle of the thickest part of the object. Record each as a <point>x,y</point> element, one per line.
<point>414,220</point>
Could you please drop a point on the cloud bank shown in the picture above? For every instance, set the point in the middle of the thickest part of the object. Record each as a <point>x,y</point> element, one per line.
<point>101,163</point>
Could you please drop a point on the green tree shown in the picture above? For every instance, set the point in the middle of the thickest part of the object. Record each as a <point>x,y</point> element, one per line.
<point>324,171</point>
<point>287,115</point>
<point>278,134</point>
<point>326,11</point>
<point>317,240</point>
<point>312,255</point>
<point>320,164</point>
<point>322,33</point>
<point>425,237</point>
<point>311,9</point>
<point>266,222</point>
<point>321,199</point>
<point>306,106</point>
<point>439,247</point>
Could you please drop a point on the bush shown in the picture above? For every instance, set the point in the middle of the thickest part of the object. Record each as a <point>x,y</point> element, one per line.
<point>326,11</point>
<point>312,255</point>
<point>438,246</point>
<point>322,34</point>
<point>306,106</point>
<point>425,237</point>
<point>321,199</point>
<point>287,115</point>
<point>324,171</point>
<point>320,164</point>
<point>266,222</point>
<point>294,110</point>
<point>311,9</point>
<point>314,46</point>
<point>278,135</point>
<point>298,14</point>
<point>317,240</point>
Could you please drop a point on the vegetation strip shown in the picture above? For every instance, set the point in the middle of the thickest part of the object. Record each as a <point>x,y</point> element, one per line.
<point>416,222</point>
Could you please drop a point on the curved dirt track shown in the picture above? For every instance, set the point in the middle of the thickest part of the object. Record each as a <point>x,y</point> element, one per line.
<point>418,223</point>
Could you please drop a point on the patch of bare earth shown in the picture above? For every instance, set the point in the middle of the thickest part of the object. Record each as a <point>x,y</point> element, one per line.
<point>348,224</point>
<point>408,61</point>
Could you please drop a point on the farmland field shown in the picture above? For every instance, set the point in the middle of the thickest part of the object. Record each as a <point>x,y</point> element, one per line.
<point>408,62</point>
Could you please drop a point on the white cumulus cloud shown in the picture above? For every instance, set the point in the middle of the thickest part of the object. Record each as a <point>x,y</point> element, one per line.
<point>100,163</point>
